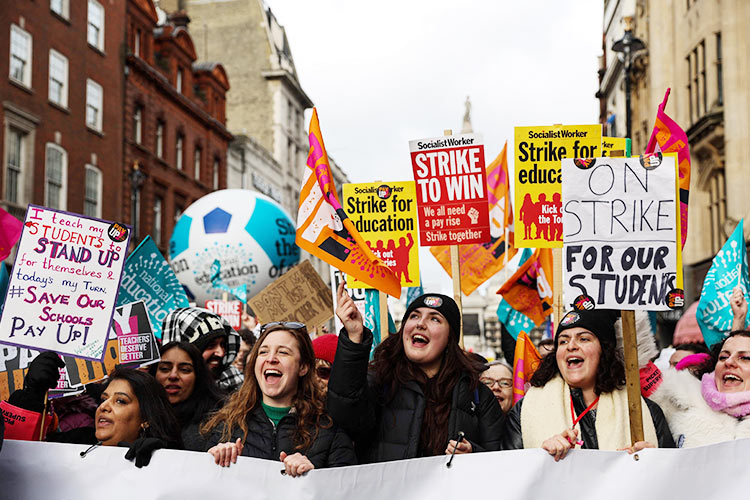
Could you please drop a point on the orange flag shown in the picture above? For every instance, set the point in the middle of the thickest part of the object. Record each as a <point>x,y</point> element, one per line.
<point>529,290</point>
<point>479,262</point>
<point>325,231</point>
<point>526,360</point>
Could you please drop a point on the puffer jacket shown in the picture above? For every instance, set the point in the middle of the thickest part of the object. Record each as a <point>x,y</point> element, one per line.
<point>388,428</point>
<point>513,435</point>
<point>331,448</point>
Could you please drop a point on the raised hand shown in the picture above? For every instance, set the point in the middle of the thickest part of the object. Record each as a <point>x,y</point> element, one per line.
<point>349,315</point>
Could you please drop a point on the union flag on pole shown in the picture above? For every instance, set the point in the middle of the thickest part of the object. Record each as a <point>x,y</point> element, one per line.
<point>324,230</point>
<point>529,290</point>
<point>479,262</point>
<point>526,360</point>
<point>668,137</point>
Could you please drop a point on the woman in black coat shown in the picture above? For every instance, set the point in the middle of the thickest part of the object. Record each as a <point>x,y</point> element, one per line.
<point>420,391</point>
<point>279,412</point>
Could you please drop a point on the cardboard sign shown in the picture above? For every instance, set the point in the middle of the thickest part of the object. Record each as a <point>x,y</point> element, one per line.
<point>385,214</point>
<point>451,190</point>
<point>147,276</point>
<point>298,295</point>
<point>538,152</point>
<point>358,295</point>
<point>230,310</point>
<point>620,219</point>
<point>613,147</point>
<point>64,283</point>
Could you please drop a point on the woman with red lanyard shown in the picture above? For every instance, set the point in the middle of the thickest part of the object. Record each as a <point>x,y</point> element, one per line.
<point>577,398</point>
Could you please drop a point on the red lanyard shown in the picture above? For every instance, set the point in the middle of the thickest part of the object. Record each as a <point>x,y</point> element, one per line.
<point>573,412</point>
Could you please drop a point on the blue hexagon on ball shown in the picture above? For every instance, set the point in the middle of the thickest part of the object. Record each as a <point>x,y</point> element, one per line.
<point>216,221</point>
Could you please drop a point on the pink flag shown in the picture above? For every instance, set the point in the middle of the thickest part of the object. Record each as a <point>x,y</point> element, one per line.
<point>10,231</point>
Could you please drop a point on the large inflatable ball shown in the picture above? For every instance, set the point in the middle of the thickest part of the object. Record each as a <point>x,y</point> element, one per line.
<point>228,239</point>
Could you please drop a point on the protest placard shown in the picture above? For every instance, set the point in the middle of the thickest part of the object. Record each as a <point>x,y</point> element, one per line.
<point>298,295</point>
<point>451,187</point>
<point>64,282</point>
<point>148,276</point>
<point>385,214</point>
<point>358,295</point>
<point>615,146</point>
<point>230,310</point>
<point>135,336</point>
<point>620,233</point>
<point>538,177</point>
<point>14,363</point>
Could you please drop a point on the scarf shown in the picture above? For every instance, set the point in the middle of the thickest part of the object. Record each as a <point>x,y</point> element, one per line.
<point>736,404</point>
<point>546,412</point>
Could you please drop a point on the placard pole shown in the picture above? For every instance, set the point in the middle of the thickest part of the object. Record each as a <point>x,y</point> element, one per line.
<point>456,274</point>
<point>557,287</point>
<point>383,303</point>
<point>632,377</point>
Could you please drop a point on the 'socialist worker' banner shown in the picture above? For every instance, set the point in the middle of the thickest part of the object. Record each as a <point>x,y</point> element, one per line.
<point>62,291</point>
<point>620,219</point>
<point>615,146</point>
<point>385,214</point>
<point>538,152</point>
<point>451,190</point>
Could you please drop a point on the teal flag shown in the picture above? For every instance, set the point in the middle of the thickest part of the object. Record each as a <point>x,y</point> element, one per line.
<point>413,292</point>
<point>728,270</point>
<point>216,281</point>
<point>372,317</point>
<point>514,321</point>
<point>147,276</point>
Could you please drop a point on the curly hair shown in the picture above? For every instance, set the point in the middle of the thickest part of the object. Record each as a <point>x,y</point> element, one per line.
<point>393,369</point>
<point>610,374</point>
<point>309,403</point>
<point>710,364</point>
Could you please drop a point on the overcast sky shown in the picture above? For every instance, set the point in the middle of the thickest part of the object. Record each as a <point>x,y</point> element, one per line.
<point>383,73</point>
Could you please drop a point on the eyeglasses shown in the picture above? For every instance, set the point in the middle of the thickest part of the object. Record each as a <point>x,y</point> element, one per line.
<point>504,383</point>
<point>323,372</point>
<point>292,325</point>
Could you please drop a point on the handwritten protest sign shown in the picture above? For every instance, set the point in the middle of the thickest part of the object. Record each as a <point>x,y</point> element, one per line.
<point>230,310</point>
<point>298,295</point>
<point>147,276</point>
<point>64,282</point>
<point>385,214</point>
<point>538,177</point>
<point>358,295</point>
<point>451,188</point>
<point>620,240</point>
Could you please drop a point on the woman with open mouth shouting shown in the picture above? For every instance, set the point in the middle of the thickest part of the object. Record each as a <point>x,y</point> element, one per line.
<point>420,391</point>
<point>279,413</point>
<point>577,396</point>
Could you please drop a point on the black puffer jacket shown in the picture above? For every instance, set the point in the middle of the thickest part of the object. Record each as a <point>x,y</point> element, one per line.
<point>513,435</point>
<point>331,448</point>
<point>388,428</point>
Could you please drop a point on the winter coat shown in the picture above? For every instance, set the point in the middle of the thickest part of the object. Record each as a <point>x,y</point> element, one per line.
<point>387,427</point>
<point>513,435</point>
<point>692,421</point>
<point>330,448</point>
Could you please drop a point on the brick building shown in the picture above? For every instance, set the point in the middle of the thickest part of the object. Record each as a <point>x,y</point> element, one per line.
<point>61,88</point>
<point>174,122</point>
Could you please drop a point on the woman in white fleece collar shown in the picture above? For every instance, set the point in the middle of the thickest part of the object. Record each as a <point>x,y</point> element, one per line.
<point>577,398</point>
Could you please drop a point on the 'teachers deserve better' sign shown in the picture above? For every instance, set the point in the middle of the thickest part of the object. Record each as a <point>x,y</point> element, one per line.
<point>451,190</point>
<point>62,290</point>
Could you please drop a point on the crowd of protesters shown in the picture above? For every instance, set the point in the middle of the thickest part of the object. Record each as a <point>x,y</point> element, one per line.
<point>277,394</point>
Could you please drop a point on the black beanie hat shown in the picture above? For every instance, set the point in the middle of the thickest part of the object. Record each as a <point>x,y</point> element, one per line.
<point>442,304</point>
<point>600,322</point>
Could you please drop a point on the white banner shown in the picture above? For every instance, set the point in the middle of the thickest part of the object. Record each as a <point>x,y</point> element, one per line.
<point>50,470</point>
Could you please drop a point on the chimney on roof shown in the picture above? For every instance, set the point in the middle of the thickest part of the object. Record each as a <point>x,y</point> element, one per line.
<point>179,19</point>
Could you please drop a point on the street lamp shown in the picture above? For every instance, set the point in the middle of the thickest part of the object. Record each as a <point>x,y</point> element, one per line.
<point>137,177</point>
<point>628,45</point>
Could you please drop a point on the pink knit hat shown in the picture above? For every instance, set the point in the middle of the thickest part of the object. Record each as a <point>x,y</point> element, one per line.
<point>325,346</point>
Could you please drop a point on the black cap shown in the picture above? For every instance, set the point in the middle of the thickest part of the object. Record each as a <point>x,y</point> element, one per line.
<point>442,304</point>
<point>600,322</point>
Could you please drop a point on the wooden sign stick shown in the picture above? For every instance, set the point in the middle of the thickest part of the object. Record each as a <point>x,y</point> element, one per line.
<point>557,286</point>
<point>632,377</point>
<point>44,416</point>
<point>456,274</point>
<point>383,299</point>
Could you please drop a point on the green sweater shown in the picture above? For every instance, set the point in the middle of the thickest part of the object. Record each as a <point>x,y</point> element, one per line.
<point>275,414</point>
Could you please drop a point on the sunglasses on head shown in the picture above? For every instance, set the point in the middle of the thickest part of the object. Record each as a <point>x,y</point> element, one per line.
<point>291,325</point>
<point>323,372</point>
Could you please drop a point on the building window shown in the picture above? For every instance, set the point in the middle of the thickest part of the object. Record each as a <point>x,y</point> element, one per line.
<point>704,93</point>
<point>92,199</point>
<point>58,78</point>
<point>719,71</point>
<point>138,124</point>
<point>56,166</point>
<point>160,139</point>
<point>216,174</point>
<point>95,31</point>
<point>20,55</point>
<point>179,147</point>
<point>197,163</point>
<point>178,82</point>
<point>158,214</point>
<point>60,7</point>
<point>94,100</point>
<point>137,43</point>
<point>14,170</point>
<point>717,208</point>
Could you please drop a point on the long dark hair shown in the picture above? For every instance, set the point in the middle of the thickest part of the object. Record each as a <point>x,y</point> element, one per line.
<point>206,394</point>
<point>309,403</point>
<point>393,369</point>
<point>610,374</point>
<point>710,364</point>
<point>154,405</point>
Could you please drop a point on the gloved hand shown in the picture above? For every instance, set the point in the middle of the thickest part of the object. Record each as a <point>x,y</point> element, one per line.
<point>43,372</point>
<point>142,449</point>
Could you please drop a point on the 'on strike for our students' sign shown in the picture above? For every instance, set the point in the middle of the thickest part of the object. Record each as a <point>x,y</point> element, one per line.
<point>451,195</point>
<point>620,219</point>
<point>62,290</point>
